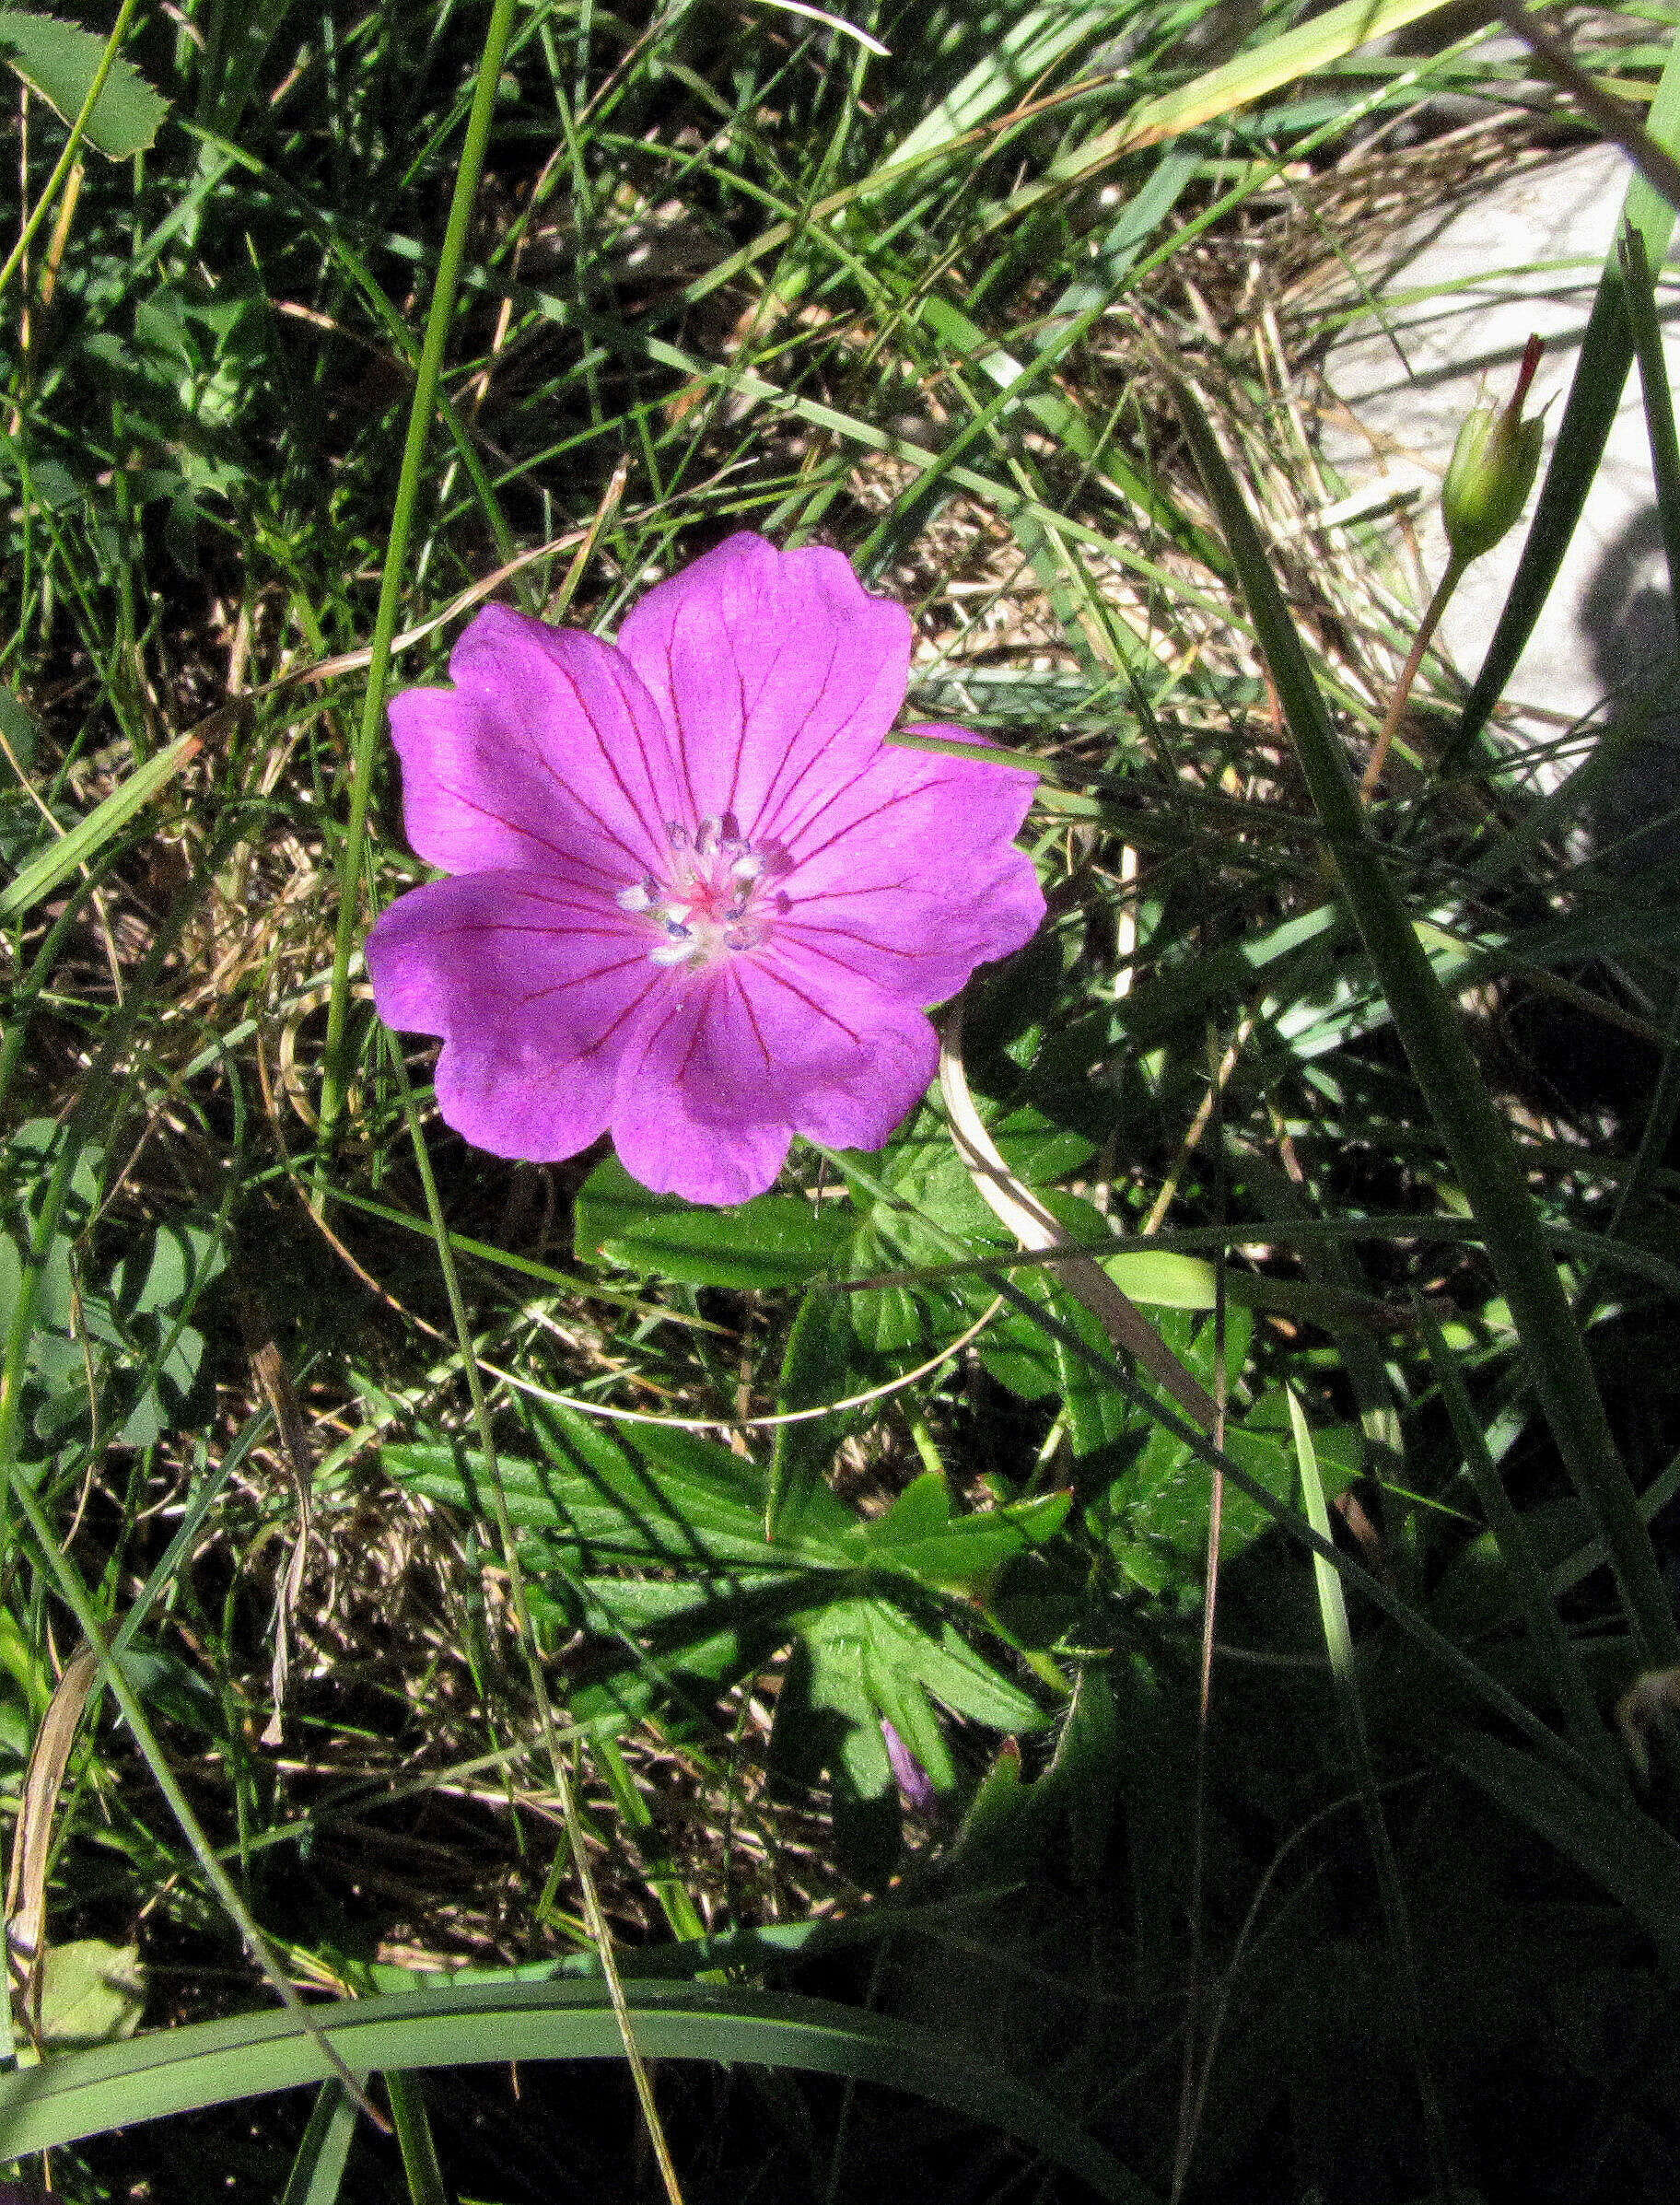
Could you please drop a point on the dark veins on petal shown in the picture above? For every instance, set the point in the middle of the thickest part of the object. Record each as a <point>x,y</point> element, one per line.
<point>864,819</point>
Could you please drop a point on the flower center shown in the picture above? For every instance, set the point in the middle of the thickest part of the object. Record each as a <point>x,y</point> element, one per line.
<point>717,895</point>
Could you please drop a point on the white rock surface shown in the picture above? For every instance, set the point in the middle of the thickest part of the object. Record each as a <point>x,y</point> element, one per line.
<point>1459,299</point>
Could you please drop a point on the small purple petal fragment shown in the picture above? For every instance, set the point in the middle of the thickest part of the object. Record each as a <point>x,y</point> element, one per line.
<point>913,1780</point>
<point>696,900</point>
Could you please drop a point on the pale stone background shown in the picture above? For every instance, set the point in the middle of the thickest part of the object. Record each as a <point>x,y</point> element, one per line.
<point>1459,300</point>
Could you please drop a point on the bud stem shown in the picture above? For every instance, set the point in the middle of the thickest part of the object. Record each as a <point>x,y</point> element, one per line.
<point>1426,630</point>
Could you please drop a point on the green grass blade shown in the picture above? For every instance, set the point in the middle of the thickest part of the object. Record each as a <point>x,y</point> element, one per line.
<point>84,841</point>
<point>1614,1841</point>
<point>1446,1071</point>
<point>1282,60</point>
<point>1647,335</point>
<point>214,2063</point>
<point>437,324</point>
<point>1550,1640</point>
<point>1595,391</point>
<point>1338,1645</point>
<point>317,2172</point>
<point>1032,44</point>
<point>416,2141</point>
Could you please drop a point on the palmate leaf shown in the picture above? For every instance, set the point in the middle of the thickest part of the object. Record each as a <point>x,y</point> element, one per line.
<point>920,1536</point>
<point>60,62</point>
<point>656,1541</point>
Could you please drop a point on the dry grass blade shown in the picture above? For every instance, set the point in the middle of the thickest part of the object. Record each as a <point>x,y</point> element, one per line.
<point>268,1367</point>
<point>25,1888</point>
<point>1617,120</point>
<point>1014,1204</point>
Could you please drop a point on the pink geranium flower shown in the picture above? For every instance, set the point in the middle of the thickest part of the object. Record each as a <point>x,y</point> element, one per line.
<point>695,898</point>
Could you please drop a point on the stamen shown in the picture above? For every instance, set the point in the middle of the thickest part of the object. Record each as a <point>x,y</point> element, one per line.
<point>708,901</point>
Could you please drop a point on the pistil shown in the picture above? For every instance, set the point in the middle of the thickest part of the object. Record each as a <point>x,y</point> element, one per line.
<point>718,896</point>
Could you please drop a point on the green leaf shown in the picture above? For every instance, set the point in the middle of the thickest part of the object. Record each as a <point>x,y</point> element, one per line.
<point>91,1993</point>
<point>854,1644</point>
<point>60,62</point>
<point>945,1664</point>
<point>923,1172</point>
<point>181,1261</point>
<point>1156,1511</point>
<point>822,1362</point>
<point>610,1509</point>
<point>772,1241</point>
<point>919,1535</point>
<point>1161,1280</point>
<point>18,726</point>
<point>1087,1772</point>
<point>1097,1410</point>
<point>890,1320</point>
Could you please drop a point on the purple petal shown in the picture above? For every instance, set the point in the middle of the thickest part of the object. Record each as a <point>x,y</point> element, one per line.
<point>695,899</point>
<point>724,1070</point>
<point>548,748</point>
<point>906,875</point>
<point>845,1063</point>
<point>673,1127</point>
<point>908,1774</point>
<point>535,982</point>
<point>777,670</point>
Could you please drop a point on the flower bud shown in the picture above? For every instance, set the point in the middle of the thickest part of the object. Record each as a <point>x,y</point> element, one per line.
<point>1492,469</point>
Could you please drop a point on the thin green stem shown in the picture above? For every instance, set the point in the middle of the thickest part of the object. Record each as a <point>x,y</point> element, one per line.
<point>593,1914</point>
<point>72,145</point>
<point>334,1076</point>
